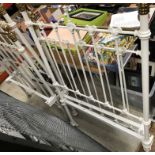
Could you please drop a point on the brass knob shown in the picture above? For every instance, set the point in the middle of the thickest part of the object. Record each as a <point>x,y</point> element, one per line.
<point>143,8</point>
<point>33,17</point>
<point>21,7</point>
<point>2,10</point>
<point>5,26</point>
<point>12,36</point>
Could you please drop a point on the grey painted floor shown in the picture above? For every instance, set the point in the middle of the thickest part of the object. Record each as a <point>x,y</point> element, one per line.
<point>111,138</point>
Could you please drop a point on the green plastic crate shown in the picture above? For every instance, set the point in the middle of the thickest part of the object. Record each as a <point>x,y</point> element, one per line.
<point>98,21</point>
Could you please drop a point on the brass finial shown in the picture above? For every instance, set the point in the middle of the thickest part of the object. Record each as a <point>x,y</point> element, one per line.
<point>21,7</point>
<point>33,17</point>
<point>12,36</point>
<point>143,8</point>
<point>5,26</point>
<point>2,10</point>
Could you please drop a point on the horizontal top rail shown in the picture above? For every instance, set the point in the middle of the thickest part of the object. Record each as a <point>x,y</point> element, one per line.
<point>72,26</point>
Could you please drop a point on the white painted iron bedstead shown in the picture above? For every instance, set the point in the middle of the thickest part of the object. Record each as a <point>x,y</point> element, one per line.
<point>37,71</point>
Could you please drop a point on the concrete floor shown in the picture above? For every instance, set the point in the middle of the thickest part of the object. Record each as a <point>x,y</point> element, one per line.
<point>111,138</point>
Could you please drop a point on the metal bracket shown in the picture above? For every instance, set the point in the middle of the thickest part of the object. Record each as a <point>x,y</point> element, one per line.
<point>71,26</point>
<point>125,111</point>
<point>138,52</point>
<point>54,26</point>
<point>120,50</point>
<point>91,29</point>
<point>115,30</point>
<point>40,24</point>
<point>81,43</point>
<point>50,101</point>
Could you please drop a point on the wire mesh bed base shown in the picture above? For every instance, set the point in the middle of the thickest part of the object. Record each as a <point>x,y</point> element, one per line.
<point>52,72</point>
<point>44,127</point>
